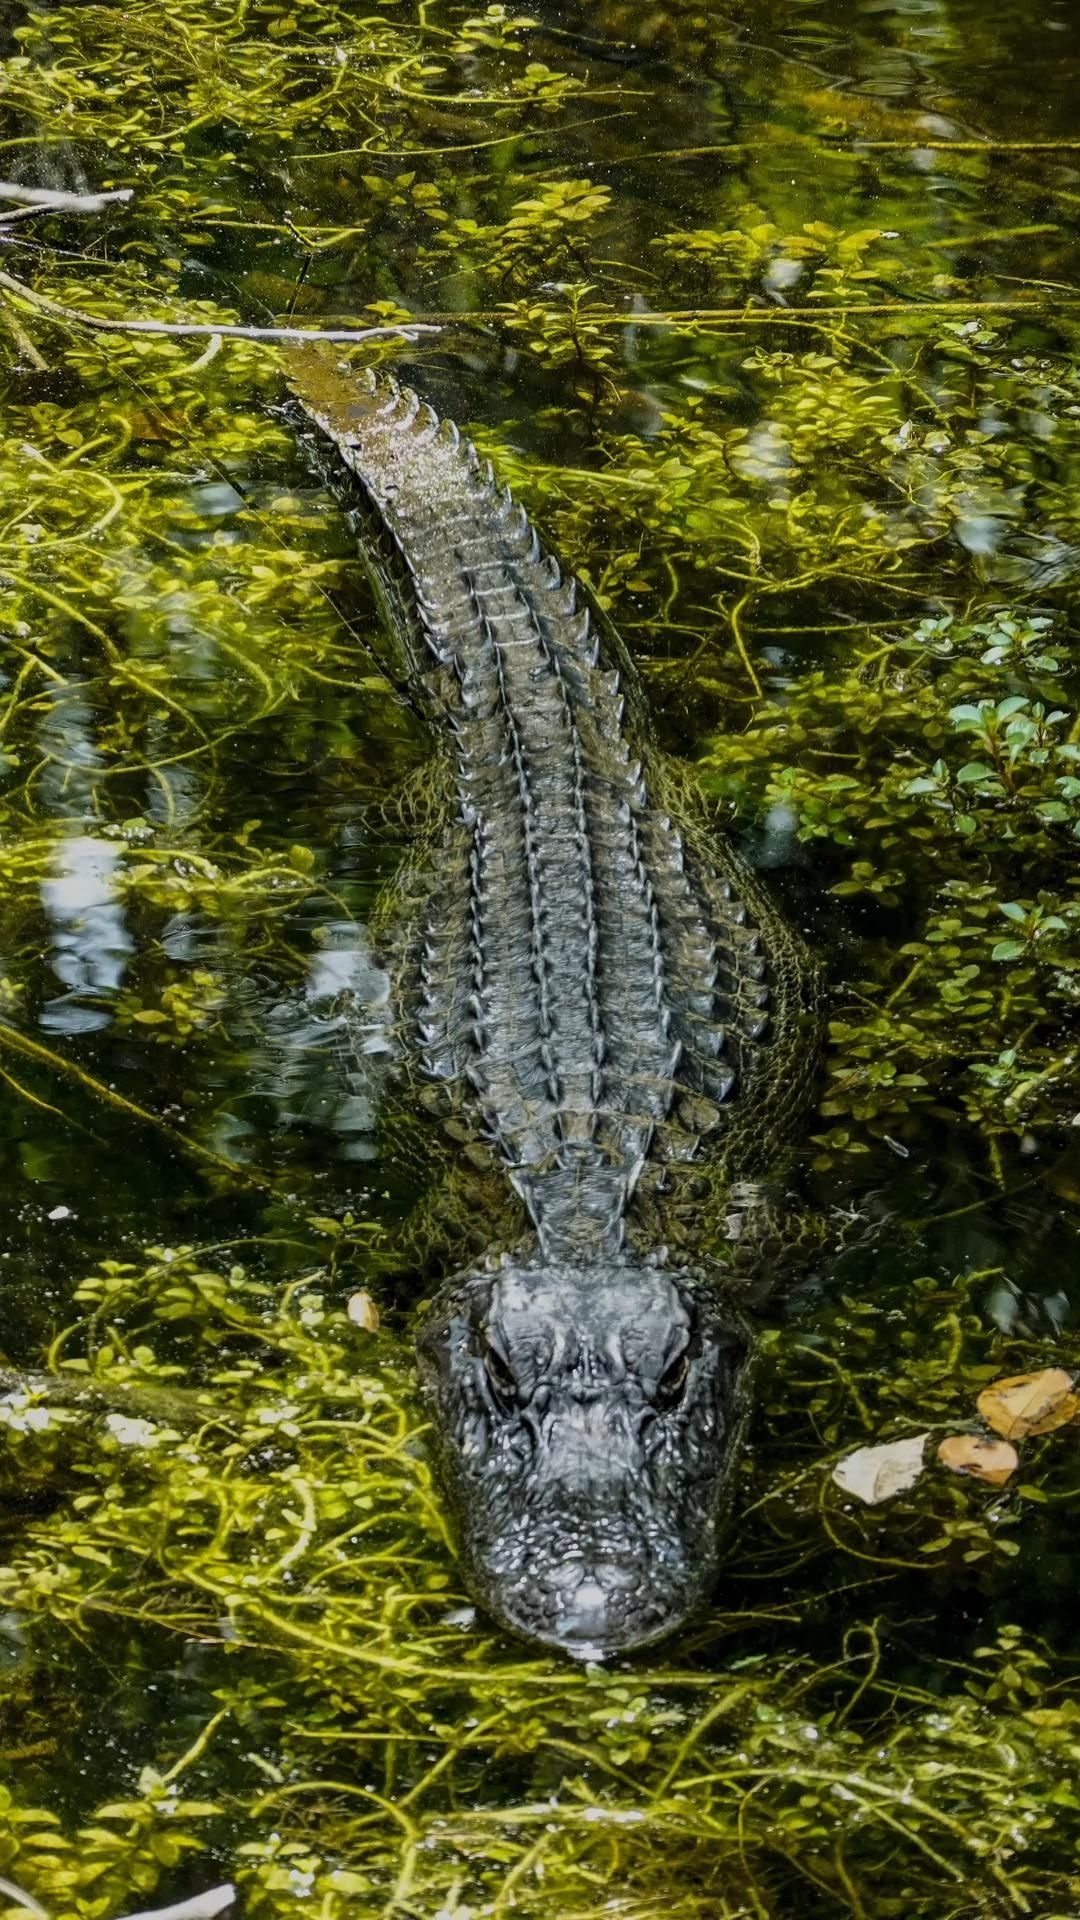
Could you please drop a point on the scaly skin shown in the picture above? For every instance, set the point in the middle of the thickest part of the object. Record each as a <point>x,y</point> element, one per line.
<point>584,974</point>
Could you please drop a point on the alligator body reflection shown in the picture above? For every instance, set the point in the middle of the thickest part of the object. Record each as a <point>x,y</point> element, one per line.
<point>608,996</point>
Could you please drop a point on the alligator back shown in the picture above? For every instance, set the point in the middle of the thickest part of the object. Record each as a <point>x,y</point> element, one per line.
<point>603,984</point>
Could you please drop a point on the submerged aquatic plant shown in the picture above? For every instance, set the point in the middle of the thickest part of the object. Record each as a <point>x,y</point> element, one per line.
<point>819,465</point>
<point>265,1512</point>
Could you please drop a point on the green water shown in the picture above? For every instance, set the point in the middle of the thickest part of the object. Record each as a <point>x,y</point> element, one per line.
<point>769,314</point>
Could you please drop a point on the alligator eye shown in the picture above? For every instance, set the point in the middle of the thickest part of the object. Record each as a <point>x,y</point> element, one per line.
<point>672,1383</point>
<point>500,1377</point>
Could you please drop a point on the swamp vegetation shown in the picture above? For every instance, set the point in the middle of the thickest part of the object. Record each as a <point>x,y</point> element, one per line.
<point>770,315</point>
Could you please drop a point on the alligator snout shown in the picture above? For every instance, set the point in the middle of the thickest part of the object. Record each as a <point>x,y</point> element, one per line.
<point>587,1602</point>
<point>586,1419</point>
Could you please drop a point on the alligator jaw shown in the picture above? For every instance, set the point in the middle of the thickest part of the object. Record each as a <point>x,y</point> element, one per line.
<point>587,1418</point>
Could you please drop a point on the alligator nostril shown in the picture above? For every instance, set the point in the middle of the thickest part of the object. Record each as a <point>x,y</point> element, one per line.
<point>566,1577</point>
<point>611,1576</point>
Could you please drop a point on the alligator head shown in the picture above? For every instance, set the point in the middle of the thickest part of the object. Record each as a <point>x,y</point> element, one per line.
<point>586,1421</point>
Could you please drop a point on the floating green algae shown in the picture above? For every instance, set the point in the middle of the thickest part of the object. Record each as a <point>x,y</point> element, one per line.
<point>795,391</point>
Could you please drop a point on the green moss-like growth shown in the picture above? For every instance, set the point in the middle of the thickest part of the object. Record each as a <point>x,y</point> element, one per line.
<point>801,404</point>
<point>361,1739</point>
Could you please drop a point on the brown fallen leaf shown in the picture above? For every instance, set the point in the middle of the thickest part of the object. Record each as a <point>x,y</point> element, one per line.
<point>164,423</point>
<point>1029,1403</point>
<point>994,1461</point>
<point>363,1312</point>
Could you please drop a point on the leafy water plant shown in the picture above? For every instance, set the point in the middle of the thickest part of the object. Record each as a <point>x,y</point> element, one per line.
<point>804,414</point>
<point>268,1516</point>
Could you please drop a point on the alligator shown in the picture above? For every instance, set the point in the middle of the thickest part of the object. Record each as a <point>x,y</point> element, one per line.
<point>611,997</point>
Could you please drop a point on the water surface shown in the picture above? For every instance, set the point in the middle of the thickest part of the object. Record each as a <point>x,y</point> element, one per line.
<point>769,316</point>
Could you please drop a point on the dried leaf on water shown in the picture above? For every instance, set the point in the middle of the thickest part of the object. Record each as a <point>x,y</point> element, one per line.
<point>1029,1403</point>
<point>874,1474</point>
<point>362,1311</point>
<point>994,1461</point>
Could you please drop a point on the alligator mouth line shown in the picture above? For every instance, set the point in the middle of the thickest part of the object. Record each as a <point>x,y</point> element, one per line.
<point>601,989</point>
